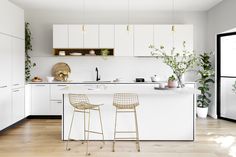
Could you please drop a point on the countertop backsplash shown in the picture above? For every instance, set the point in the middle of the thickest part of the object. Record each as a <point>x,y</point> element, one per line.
<point>124,68</point>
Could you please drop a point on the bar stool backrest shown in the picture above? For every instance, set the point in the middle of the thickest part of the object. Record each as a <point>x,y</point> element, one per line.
<point>79,101</point>
<point>125,100</point>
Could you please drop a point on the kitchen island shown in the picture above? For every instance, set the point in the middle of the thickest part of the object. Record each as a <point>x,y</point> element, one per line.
<point>162,114</point>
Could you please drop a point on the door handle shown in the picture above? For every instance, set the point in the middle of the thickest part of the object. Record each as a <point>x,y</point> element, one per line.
<point>16,91</point>
<point>40,85</point>
<point>16,84</point>
<point>61,85</point>
<point>3,86</point>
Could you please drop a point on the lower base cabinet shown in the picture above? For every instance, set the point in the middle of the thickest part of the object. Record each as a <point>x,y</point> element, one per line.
<point>18,105</point>
<point>56,108</point>
<point>5,108</point>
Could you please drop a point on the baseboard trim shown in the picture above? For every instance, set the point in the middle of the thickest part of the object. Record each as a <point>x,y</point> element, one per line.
<point>13,125</point>
<point>43,117</point>
<point>228,119</point>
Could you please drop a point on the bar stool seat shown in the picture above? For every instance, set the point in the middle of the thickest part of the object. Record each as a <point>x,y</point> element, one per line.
<point>81,104</point>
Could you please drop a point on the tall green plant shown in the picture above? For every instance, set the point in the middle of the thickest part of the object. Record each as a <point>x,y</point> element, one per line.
<point>28,49</point>
<point>206,72</point>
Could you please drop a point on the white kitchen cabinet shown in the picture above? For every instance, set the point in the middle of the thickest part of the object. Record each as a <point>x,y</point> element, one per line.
<point>40,99</point>
<point>17,22</point>
<point>91,36</point>
<point>124,40</point>
<point>163,36</point>
<point>18,105</point>
<point>106,36</point>
<point>12,19</point>
<point>183,33</point>
<point>76,36</point>
<point>5,107</point>
<point>55,92</point>
<point>60,36</point>
<point>56,108</point>
<point>5,55</point>
<point>143,38</point>
<point>18,62</point>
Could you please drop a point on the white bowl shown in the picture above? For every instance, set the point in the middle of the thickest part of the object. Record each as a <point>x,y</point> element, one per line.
<point>50,79</point>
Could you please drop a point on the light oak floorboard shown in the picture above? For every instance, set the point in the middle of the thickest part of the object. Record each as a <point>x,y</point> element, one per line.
<point>41,138</point>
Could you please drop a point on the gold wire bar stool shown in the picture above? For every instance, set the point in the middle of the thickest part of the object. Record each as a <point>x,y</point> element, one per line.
<point>126,103</point>
<point>81,104</point>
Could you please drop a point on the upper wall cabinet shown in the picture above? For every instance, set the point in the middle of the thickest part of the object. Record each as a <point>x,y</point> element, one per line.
<point>60,36</point>
<point>143,38</point>
<point>76,36</point>
<point>91,36</point>
<point>183,33</point>
<point>106,36</point>
<point>164,36</point>
<point>124,40</point>
<point>12,19</point>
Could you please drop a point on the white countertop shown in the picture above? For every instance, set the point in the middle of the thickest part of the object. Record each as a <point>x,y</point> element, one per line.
<point>112,90</point>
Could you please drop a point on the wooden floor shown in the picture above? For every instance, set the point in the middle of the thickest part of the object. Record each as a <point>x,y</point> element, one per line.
<point>41,138</point>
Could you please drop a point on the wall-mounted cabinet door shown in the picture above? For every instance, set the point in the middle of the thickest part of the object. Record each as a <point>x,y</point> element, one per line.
<point>60,36</point>
<point>18,105</point>
<point>183,33</point>
<point>106,36</point>
<point>124,40</point>
<point>40,99</point>
<point>76,36</point>
<point>5,56</point>
<point>18,63</point>
<point>163,36</point>
<point>143,38</point>
<point>91,36</point>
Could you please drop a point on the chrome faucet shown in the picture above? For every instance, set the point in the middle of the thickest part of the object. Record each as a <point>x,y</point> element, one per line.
<point>97,75</point>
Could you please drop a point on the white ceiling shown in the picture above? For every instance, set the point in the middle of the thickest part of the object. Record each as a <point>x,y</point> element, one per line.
<point>91,5</point>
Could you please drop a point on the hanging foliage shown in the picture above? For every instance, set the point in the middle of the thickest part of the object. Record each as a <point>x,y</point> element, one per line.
<point>28,49</point>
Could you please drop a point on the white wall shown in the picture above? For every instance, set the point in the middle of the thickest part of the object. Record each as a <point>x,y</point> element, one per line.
<point>126,67</point>
<point>220,19</point>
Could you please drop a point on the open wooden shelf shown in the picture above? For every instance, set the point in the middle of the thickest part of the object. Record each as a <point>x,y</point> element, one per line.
<point>84,52</point>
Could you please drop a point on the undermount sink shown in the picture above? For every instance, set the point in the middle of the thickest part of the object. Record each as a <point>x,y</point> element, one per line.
<point>96,81</point>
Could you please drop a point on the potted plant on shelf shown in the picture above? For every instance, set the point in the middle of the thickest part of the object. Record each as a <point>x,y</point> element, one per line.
<point>172,83</point>
<point>206,73</point>
<point>178,62</point>
<point>28,48</point>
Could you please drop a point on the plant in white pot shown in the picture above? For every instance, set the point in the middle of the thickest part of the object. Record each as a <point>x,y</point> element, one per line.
<point>206,73</point>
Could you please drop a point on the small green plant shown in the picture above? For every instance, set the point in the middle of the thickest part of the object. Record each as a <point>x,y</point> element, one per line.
<point>105,53</point>
<point>172,78</point>
<point>206,72</point>
<point>28,48</point>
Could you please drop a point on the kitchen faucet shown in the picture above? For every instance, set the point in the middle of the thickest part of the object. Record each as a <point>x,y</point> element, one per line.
<point>97,75</point>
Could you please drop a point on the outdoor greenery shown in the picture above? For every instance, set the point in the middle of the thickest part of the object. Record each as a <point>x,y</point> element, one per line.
<point>28,49</point>
<point>206,72</point>
<point>178,62</point>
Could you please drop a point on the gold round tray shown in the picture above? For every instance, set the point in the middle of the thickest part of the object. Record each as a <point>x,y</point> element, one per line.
<point>60,68</point>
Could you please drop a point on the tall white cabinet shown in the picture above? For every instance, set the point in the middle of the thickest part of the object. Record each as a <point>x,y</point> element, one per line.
<point>12,60</point>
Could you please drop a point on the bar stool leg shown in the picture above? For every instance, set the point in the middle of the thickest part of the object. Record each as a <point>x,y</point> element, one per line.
<point>84,127</point>
<point>101,127</point>
<point>137,132</point>
<point>87,140</point>
<point>70,131</point>
<point>114,140</point>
